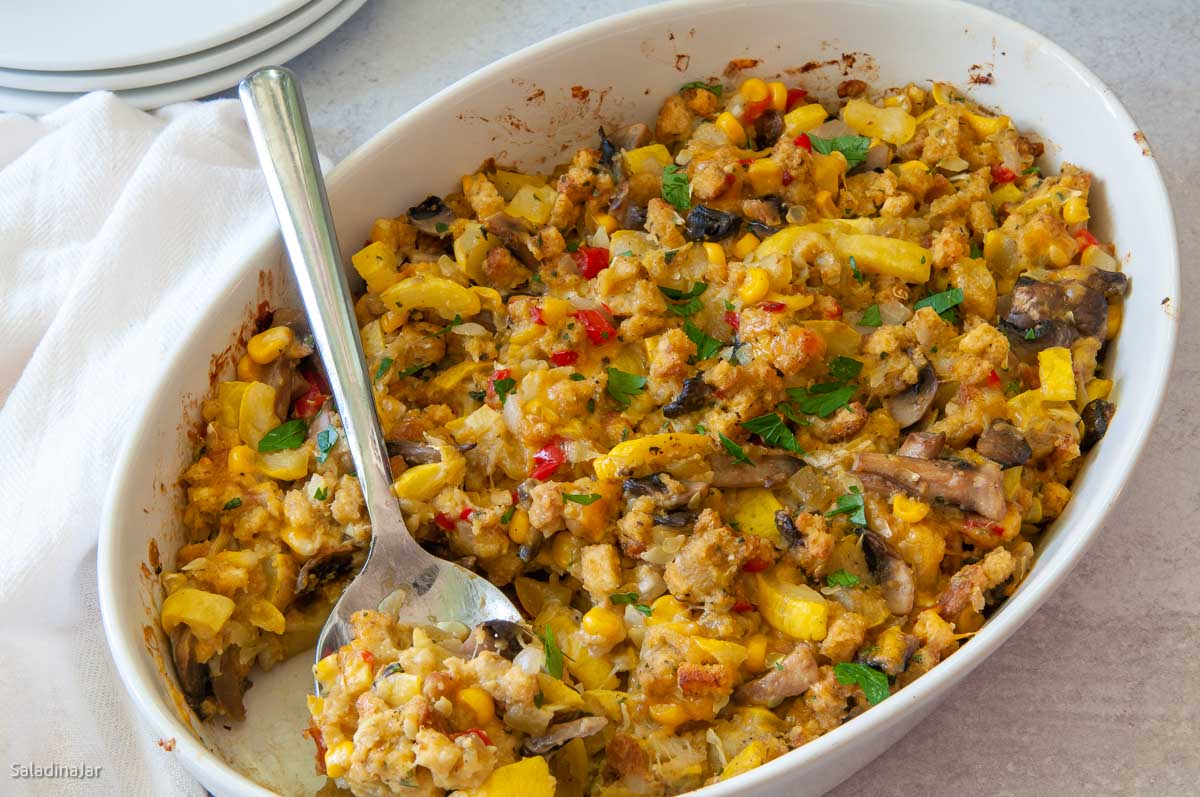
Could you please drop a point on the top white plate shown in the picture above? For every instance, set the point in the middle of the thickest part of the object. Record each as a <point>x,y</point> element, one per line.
<point>62,35</point>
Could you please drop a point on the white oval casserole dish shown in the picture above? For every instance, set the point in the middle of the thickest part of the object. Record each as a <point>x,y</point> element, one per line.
<point>530,109</point>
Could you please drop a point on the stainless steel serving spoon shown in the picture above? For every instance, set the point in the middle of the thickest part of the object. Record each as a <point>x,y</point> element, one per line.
<point>418,587</point>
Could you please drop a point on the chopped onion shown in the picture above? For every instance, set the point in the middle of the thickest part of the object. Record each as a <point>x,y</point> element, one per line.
<point>470,330</point>
<point>530,659</point>
<point>953,164</point>
<point>893,312</point>
<point>512,414</point>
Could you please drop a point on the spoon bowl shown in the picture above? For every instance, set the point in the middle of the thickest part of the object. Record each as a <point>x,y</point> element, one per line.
<point>418,587</point>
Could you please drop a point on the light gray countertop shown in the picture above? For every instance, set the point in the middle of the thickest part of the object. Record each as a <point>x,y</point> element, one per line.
<point>1099,692</point>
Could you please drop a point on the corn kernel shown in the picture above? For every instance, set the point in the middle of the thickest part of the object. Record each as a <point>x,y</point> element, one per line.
<point>754,286</point>
<point>765,177</point>
<point>756,653</point>
<point>665,609</point>
<point>518,528</point>
<point>778,95</point>
<point>909,509</point>
<point>715,254</point>
<point>376,264</point>
<point>265,347</point>
<point>985,126</point>
<point>605,624</point>
<point>732,128</point>
<point>649,159</point>
<point>805,118</point>
<point>337,759</point>
<point>1098,389</point>
<point>826,206</point>
<point>326,669</point>
<point>669,715</point>
<point>242,461</point>
<point>479,703</point>
<point>316,705</point>
<point>1059,255</point>
<point>608,222</point>
<point>755,90</point>
<point>1005,194</point>
<point>248,370</point>
<point>564,550</point>
<point>745,245</point>
<point>1056,374</point>
<point>1075,210</point>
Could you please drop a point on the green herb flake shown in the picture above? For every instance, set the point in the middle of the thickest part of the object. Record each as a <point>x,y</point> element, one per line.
<point>858,275</point>
<point>539,699</point>
<point>778,665</point>
<point>669,255</point>
<point>412,370</point>
<point>850,504</point>
<point>643,608</point>
<point>287,435</point>
<point>774,432</point>
<point>1031,334</point>
<point>871,317</point>
<point>478,395</point>
<point>591,405</point>
<point>624,598</point>
<point>503,387</point>
<point>854,148</point>
<point>554,656</point>
<point>685,303</point>
<point>1012,387</point>
<point>840,578</point>
<point>320,494</point>
<point>623,387</point>
<point>326,438</point>
<point>734,450</point>
<point>873,682</point>
<point>844,369</point>
<point>441,227</point>
<point>675,187</point>
<point>456,321</point>
<point>706,345</point>
<point>232,503</point>
<point>730,306</point>
<point>626,253</point>
<point>715,88</point>
<point>581,498</point>
<point>384,366</point>
<point>573,246</point>
<point>976,251</point>
<point>577,377</point>
<point>1032,170</point>
<point>700,429</point>
<point>508,515</point>
<point>822,400</point>
<point>942,303</point>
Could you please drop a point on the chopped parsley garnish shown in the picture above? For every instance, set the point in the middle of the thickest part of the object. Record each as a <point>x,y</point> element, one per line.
<point>675,187</point>
<point>844,369</point>
<point>943,304</point>
<point>976,251</point>
<point>554,656</point>
<point>508,515</point>
<point>581,498</point>
<point>715,88</point>
<point>823,399</point>
<point>284,436</point>
<point>1012,387</point>
<point>1032,170</point>
<point>871,317</point>
<point>858,275</point>
<point>730,306</point>
<point>577,377</point>
<point>539,699</point>
<point>326,438</point>
<point>700,429</point>
<point>643,608</point>
<point>478,395</point>
<point>457,321</point>
<point>685,303</point>
<point>873,682</point>
<point>232,503</point>
<point>384,366</point>
<point>840,578</point>
<point>850,504</point>
<point>626,253</point>
<point>706,345</point>
<point>503,387</point>
<point>391,669</point>
<point>630,599</point>
<point>778,665</point>
<point>1031,334</point>
<point>573,246</point>
<point>623,387</point>
<point>412,369</point>
<point>734,450</point>
<point>774,432</point>
<point>854,148</point>
<point>441,227</point>
<point>669,255</point>
<point>320,494</point>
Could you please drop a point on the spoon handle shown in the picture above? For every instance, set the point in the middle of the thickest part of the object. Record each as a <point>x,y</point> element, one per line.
<point>278,123</point>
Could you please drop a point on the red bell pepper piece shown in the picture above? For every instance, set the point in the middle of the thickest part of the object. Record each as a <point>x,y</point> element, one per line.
<point>742,605</point>
<point>597,326</point>
<point>732,319</point>
<point>499,373</point>
<point>536,315</point>
<point>753,110</point>
<point>477,732</point>
<point>590,260</point>
<point>993,378</point>
<point>466,513</point>
<point>1003,174</point>
<point>1086,239</point>
<point>563,358</point>
<point>795,97</point>
<point>755,564</point>
<point>368,657</point>
<point>803,142</point>
<point>547,459</point>
<point>444,520</point>
<point>308,404</point>
<point>773,307</point>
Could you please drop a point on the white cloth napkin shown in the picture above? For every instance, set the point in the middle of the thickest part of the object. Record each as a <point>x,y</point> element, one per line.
<point>114,226</point>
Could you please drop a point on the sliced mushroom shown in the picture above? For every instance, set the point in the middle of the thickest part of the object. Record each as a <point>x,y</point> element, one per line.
<point>922,444</point>
<point>767,210</point>
<point>499,636</point>
<point>327,566</point>
<point>677,520</point>
<point>608,150</point>
<point>892,573</point>
<point>787,528</point>
<point>1002,442</point>
<point>559,734</point>
<point>707,224</point>
<point>1026,343</point>
<point>766,471</point>
<point>910,405</point>
<point>792,676</point>
<point>768,128</point>
<point>877,158</point>
<point>1096,416</point>
<point>666,493</point>
<point>891,651</point>
<point>193,675</point>
<point>432,216</point>
<point>632,136</point>
<point>1034,302</point>
<point>514,234</point>
<point>230,684</point>
<point>690,399</point>
<point>281,375</point>
<point>415,453</point>
<point>976,488</point>
<point>1110,283</point>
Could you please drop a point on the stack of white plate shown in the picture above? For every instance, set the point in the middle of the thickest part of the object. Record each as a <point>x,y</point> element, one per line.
<point>150,52</point>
